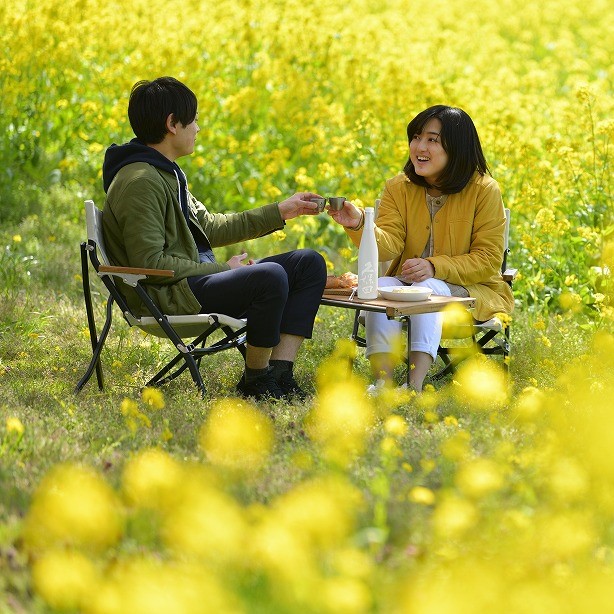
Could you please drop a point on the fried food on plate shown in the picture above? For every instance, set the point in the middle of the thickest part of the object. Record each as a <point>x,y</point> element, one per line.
<point>347,280</point>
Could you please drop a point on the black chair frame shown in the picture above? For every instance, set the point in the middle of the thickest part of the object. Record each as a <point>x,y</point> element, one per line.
<point>188,354</point>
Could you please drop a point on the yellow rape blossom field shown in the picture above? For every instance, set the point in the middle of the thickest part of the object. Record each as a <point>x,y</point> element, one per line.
<point>486,493</point>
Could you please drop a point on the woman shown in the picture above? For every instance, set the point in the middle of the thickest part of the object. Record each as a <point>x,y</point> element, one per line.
<point>442,224</point>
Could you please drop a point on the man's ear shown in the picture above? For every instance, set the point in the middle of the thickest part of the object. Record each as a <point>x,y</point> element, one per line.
<point>171,124</point>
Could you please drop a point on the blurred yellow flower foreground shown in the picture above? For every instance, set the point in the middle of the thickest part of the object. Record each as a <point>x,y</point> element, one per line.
<point>515,529</point>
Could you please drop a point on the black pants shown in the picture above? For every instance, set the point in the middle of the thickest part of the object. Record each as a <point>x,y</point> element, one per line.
<point>278,294</point>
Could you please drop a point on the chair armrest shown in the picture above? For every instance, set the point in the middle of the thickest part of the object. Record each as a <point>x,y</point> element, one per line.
<point>509,274</point>
<point>135,271</point>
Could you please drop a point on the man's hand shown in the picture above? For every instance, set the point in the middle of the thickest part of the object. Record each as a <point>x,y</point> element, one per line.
<point>298,204</point>
<point>417,269</point>
<point>349,216</point>
<point>236,261</point>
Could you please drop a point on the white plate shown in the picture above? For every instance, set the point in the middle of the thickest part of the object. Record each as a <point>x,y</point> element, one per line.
<point>405,293</point>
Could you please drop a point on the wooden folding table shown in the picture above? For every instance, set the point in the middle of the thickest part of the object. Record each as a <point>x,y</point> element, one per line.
<point>402,310</point>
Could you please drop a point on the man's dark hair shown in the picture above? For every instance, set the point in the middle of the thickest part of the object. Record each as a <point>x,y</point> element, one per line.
<point>151,102</point>
<point>460,141</point>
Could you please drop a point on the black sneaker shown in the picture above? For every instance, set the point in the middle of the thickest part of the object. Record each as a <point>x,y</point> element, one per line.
<point>261,388</point>
<point>289,386</point>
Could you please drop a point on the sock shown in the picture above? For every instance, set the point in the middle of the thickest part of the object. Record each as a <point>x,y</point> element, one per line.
<point>252,374</point>
<point>281,366</point>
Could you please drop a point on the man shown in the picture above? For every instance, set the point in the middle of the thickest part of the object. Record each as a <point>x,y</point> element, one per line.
<point>151,220</point>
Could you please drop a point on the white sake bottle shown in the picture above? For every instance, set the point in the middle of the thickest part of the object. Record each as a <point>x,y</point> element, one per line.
<point>367,259</point>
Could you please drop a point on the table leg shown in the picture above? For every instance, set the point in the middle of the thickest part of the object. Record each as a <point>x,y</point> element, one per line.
<point>408,320</point>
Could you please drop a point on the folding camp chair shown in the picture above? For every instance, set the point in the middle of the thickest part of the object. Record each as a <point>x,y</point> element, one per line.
<point>176,328</point>
<point>491,337</point>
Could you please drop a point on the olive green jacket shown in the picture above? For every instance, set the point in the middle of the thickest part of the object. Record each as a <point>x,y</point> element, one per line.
<point>468,238</point>
<point>144,226</point>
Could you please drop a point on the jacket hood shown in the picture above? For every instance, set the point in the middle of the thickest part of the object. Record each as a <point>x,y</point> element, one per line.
<point>118,156</point>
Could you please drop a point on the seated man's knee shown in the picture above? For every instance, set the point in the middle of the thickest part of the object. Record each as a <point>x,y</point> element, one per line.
<point>271,276</point>
<point>312,258</point>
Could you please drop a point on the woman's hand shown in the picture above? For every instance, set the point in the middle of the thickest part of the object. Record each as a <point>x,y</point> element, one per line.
<point>417,269</point>
<point>349,217</point>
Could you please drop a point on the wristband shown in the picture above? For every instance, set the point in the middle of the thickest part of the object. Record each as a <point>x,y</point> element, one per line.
<point>362,221</point>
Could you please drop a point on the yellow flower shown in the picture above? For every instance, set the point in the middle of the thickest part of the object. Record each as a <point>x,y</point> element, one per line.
<point>151,584</point>
<point>479,477</point>
<point>303,180</point>
<point>421,495</point>
<point>206,522</point>
<point>456,447</point>
<point>454,516</point>
<point>431,417</point>
<point>389,446</point>
<point>14,425</point>
<point>321,511</point>
<point>568,480</point>
<point>73,505</point>
<point>481,384</point>
<point>565,535</point>
<point>545,341</point>
<point>128,407</point>
<point>457,322</point>
<point>64,579</point>
<point>16,238</point>
<point>236,435</point>
<point>529,404</point>
<point>570,280</point>
<point>153,397</point>
<point>272,191</point>
<point>151,479</point>
<point>350,595</point>
<point>395,425</point>
<point>427,465</point>
<point>340,420</point>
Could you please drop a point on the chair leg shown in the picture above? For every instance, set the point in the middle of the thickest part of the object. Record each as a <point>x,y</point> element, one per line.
<point>189,362</point>
<point>449,366</point>
<point>408,374</point>
<point>193,356</point>
<point>360,341</point>
<point>506,349</point>
<point>97,345</point>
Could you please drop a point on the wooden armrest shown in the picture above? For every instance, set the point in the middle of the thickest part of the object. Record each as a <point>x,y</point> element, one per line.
<point>509,274</point>
<point>136,271</point>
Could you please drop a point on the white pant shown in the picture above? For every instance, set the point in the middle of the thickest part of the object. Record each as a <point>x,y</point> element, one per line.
<point>425,327</point>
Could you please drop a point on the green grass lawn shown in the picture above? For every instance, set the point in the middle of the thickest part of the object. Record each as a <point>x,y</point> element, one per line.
<point>405,479</point>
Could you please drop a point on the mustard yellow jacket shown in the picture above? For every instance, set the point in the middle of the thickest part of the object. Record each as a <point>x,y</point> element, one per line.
<point>468,238</point>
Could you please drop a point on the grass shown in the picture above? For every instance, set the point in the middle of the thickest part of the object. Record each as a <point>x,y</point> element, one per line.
<point>427,505</point>
<point>407,482</point>
<point>45,352</point>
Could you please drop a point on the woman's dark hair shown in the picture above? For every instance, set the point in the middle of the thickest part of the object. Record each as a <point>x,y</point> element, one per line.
<point>460,141</point>
<point>151,102</point>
